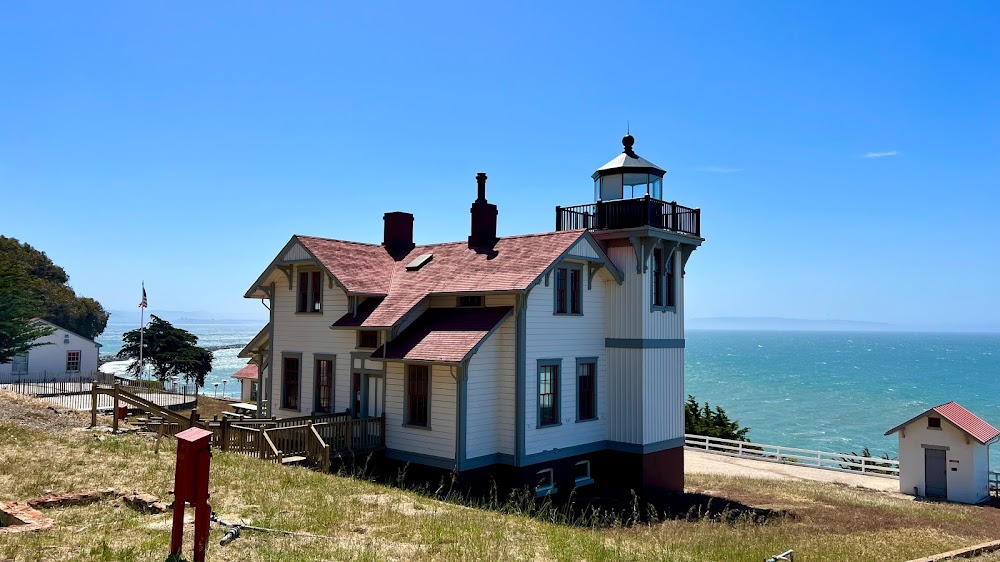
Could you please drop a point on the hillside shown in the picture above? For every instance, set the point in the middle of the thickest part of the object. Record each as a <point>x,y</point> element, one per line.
<point>44,450</point>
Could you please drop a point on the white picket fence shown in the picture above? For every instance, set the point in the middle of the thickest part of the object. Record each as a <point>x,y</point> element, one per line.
<point>872,466</point>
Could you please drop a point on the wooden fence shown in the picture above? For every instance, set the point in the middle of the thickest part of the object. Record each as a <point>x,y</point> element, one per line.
<point>886,468</point>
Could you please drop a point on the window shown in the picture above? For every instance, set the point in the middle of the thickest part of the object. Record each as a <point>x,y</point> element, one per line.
<point>548,394</point>
<point>417,395</point>
<point>581,473</point>
<point>72,361</point>
<point>586,390</point>
<point>546,482</point>
<point>254,391</point>
<point>324,385</point>
<point>310,291</point>
<point>471,301</point>
<point>290,383</point>
<point>367,339</point>
<point>19,364</point>
<point>569,290</point>
<point>664,293</point>
<point>933,423</point>
<point>657,277</point>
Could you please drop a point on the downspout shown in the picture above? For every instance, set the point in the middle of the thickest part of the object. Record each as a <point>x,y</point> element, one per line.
<point>458,373</point>
<point>520,312</point>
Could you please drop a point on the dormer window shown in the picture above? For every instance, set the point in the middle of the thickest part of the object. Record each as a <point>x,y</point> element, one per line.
<point>367,339</point>
<point>471,301</point>
<point>569,290</point>
<point>933,423</point>
<point>310,292</point>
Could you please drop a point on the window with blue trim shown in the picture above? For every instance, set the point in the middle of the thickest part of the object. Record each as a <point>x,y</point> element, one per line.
<point>569,290</point>
<point>663,279</point>
<point>548,395</point>
<point>586,391</point>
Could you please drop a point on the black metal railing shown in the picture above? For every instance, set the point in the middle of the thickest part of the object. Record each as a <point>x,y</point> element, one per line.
<point>630,213</point>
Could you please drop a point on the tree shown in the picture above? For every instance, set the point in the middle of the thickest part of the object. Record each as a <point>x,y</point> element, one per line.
<point>173,352</point>
<point>703,420</point>
<point>18,307</point>
<point>47,284</point>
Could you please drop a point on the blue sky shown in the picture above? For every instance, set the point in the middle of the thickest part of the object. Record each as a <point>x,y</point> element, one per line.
<point>845,156</point>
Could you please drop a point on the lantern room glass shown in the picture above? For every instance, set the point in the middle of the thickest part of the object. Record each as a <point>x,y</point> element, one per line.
<point>627,186</point>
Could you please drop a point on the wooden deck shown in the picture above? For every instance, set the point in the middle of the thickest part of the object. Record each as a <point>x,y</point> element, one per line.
<point>314,440</point>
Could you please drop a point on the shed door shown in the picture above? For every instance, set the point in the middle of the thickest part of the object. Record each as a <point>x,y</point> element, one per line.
<point>935,473</point>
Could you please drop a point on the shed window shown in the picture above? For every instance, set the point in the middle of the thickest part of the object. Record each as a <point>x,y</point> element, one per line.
<point>19,364</point>
<point>310,292</point>
<point>933,423</point>
<point>417,395</point>
<point>290,383</point>
<point>72,361</point>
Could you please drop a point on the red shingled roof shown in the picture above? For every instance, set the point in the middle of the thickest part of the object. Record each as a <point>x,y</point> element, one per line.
<point>967,421</point>
<point>249,373</point>
<point>444,335</point>
<point>963,419</point>
<point>516,261</point>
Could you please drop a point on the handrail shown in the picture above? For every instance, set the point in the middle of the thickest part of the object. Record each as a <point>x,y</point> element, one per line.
<point>273,450</point>
<point>321,452</point>
<point>874,466</point>
<point>630,213</point>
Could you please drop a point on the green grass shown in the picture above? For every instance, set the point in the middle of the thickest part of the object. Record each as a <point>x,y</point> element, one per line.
<point>362,520</point>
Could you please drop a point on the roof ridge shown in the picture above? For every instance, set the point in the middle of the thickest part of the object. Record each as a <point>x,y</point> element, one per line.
<point>369,244</point>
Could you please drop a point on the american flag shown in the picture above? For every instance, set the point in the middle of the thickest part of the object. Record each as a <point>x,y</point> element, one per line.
<point>143,303</point>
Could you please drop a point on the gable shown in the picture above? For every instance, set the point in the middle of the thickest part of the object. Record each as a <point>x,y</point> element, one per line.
<point>296,253</point>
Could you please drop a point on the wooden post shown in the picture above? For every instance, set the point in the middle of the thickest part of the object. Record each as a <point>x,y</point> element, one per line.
<point>159,436</point>
<point>194,418</point>
<point>114,413</point>
<point>673,216</point>
<point>93,404</point>
<point>350,433</point>
<point>224,433</point>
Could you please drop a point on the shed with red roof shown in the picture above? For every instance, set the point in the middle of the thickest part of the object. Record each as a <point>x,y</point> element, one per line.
<point>944,454</point>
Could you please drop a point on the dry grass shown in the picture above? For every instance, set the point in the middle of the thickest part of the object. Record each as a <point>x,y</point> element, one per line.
<point>364,521</point>
<point>209,407</point>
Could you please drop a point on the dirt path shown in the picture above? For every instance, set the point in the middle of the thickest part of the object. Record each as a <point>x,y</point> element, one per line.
<point>696,462</point>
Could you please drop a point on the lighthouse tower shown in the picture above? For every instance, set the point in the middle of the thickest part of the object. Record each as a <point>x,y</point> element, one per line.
<point>649,239</point>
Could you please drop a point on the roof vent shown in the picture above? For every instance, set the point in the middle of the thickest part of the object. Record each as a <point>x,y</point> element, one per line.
<point>419,262</point>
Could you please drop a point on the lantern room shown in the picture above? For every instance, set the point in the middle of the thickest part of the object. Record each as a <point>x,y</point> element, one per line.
<point>628,176</point>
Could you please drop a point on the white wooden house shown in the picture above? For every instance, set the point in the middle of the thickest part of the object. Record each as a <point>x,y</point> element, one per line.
<point>61,355</point>
<point>552,359</point>
<point>944,453</point>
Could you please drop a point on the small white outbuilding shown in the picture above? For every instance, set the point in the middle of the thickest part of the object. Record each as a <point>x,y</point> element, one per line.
<point>944,453</point>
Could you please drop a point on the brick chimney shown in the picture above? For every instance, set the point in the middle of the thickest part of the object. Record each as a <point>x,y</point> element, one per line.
<point>398,236</point>
<point>484,220</point>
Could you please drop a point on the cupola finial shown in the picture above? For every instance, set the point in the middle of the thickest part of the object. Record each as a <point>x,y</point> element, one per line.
<point>627,141</point>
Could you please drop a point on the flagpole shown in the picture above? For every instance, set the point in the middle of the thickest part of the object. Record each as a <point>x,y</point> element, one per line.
<point>142,325</point>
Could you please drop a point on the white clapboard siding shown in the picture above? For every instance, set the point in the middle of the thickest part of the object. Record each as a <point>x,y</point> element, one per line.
<point>550,336</point>
<point>662,394</point>
<point>490,395</point>
<point>625,399</point>
<point>625,302</point>
<point>584,248</point>
<point>451,301</point>
<point>310,334</point>
<point>439,440</point>
<point>296,253</point>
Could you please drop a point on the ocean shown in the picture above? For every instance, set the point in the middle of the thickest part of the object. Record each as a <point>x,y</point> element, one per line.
<point>830,391</point>
<point>841,391</point>
<point>224,361</point>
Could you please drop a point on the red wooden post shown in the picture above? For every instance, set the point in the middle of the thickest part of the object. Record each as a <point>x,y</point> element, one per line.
<point>191,486</point>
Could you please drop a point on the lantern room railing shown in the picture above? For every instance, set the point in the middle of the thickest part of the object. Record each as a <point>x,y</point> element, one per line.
<point>630,213</point>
